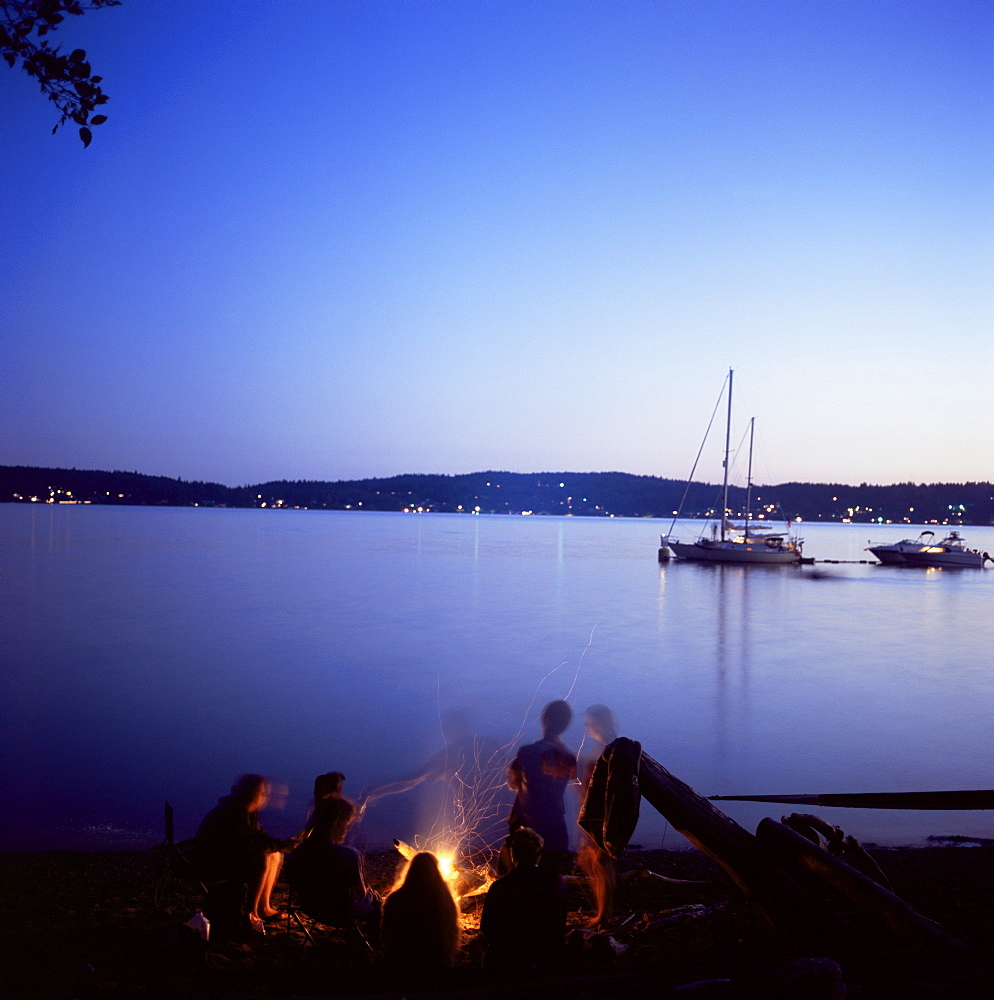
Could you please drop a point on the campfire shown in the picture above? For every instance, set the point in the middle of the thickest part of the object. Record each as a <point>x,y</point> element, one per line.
<point>465,881</point>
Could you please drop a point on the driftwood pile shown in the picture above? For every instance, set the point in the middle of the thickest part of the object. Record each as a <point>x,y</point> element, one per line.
<point>815,886</point>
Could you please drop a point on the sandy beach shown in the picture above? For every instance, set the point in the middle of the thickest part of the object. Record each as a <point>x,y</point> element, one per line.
<point>112,925</point>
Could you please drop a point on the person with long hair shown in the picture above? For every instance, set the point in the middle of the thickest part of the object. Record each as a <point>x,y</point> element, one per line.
<point>326,786</point>
<point>420,926</point>
<point>230,845</point>
<point>599,867</point>
<point>327,874</point>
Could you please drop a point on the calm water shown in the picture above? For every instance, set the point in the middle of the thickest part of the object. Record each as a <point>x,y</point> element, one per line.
<point>153,654</point>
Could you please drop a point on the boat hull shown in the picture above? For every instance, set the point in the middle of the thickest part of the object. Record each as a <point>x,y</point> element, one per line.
<point>735,553</point>
<point>950,553</point>
<point>894,554</point>
<point>947,560</point>
<point>889,555</point>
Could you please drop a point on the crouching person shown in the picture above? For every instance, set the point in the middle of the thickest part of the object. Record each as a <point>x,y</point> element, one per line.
<point>232,851</point>
<point>327,876</point>
<point>524,913</point>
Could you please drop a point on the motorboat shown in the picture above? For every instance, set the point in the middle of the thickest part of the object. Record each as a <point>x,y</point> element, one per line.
<point>726,542</point>
<point>950,553</point>
<point>894,555</point>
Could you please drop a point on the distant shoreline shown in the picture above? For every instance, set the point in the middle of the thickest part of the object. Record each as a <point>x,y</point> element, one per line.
<point>588,494</point>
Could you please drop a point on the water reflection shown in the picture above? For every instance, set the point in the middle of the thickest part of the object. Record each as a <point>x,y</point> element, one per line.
<point>172,644</point>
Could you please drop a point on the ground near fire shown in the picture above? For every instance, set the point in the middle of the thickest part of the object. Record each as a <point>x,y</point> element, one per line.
<point>89,925</point>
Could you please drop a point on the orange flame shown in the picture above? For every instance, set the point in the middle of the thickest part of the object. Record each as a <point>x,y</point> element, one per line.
<point>459,880</point>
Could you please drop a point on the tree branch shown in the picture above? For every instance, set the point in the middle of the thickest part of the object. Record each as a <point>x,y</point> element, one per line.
<point>66,80</point>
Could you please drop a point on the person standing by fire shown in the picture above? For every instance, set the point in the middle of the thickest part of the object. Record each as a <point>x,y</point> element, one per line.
<point>595,862</point>
<point>539,775</point>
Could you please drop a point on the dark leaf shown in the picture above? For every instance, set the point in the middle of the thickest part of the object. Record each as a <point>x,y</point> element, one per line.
<point>78,56</point>
<point>98,119</point>
<point>86,135</point>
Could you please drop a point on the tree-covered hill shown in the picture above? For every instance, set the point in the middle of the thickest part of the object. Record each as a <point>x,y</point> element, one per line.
<point>603,494</point>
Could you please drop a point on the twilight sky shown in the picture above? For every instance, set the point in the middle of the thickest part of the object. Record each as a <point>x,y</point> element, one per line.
<point>332,239</point>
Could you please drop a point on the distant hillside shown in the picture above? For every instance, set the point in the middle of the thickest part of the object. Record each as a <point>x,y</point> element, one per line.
<point>603,494</point>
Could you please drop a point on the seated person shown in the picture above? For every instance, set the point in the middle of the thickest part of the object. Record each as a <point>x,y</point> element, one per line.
<point>326,786</point>
<point>230,845</point>
<point>326,874</point>
<point>420,927</point>
<point>524,913</point>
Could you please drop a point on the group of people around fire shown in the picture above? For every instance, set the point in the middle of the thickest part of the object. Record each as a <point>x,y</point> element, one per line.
<point>415,927</point>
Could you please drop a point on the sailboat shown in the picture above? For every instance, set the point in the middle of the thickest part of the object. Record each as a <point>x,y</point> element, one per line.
<point>727,543</point>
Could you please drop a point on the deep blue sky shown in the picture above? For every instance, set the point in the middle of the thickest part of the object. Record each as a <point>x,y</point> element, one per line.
<point>332,239</point>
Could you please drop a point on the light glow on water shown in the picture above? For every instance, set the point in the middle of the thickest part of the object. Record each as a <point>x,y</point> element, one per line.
<point>154,654</point>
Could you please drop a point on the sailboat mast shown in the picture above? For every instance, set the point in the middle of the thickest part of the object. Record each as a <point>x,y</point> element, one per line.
<point>752,431</point>
<point>728,441</point>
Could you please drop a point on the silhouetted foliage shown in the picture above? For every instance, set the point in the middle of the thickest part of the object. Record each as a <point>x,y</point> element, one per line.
<point>585,494</point>
<point>66,80</point>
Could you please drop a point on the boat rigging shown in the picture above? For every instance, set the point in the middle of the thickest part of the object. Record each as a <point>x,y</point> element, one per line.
<point>728,543</point>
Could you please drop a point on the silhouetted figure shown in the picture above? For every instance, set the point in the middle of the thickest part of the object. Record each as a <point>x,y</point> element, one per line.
<point>539,774</point>
<point>455,756</point>
<point>524,913</point>
<point>598,865</point>
<point>326,786</point>
<point>327,875</point>
<point>420,925</point>
<point>230,845</point>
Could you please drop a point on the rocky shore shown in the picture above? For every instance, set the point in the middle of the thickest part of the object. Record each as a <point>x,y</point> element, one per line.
<point>113,925</point>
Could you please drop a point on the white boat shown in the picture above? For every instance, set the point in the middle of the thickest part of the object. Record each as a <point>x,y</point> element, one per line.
<point>894,555</point>
<point>951,553</point>
<point>727,543</point>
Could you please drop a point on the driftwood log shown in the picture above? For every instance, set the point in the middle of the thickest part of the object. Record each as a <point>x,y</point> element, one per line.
<point>868,903</point>
<point>848,849</point>
<point>782,900</point>
<point>790,878</point>
<point>969,799</point>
